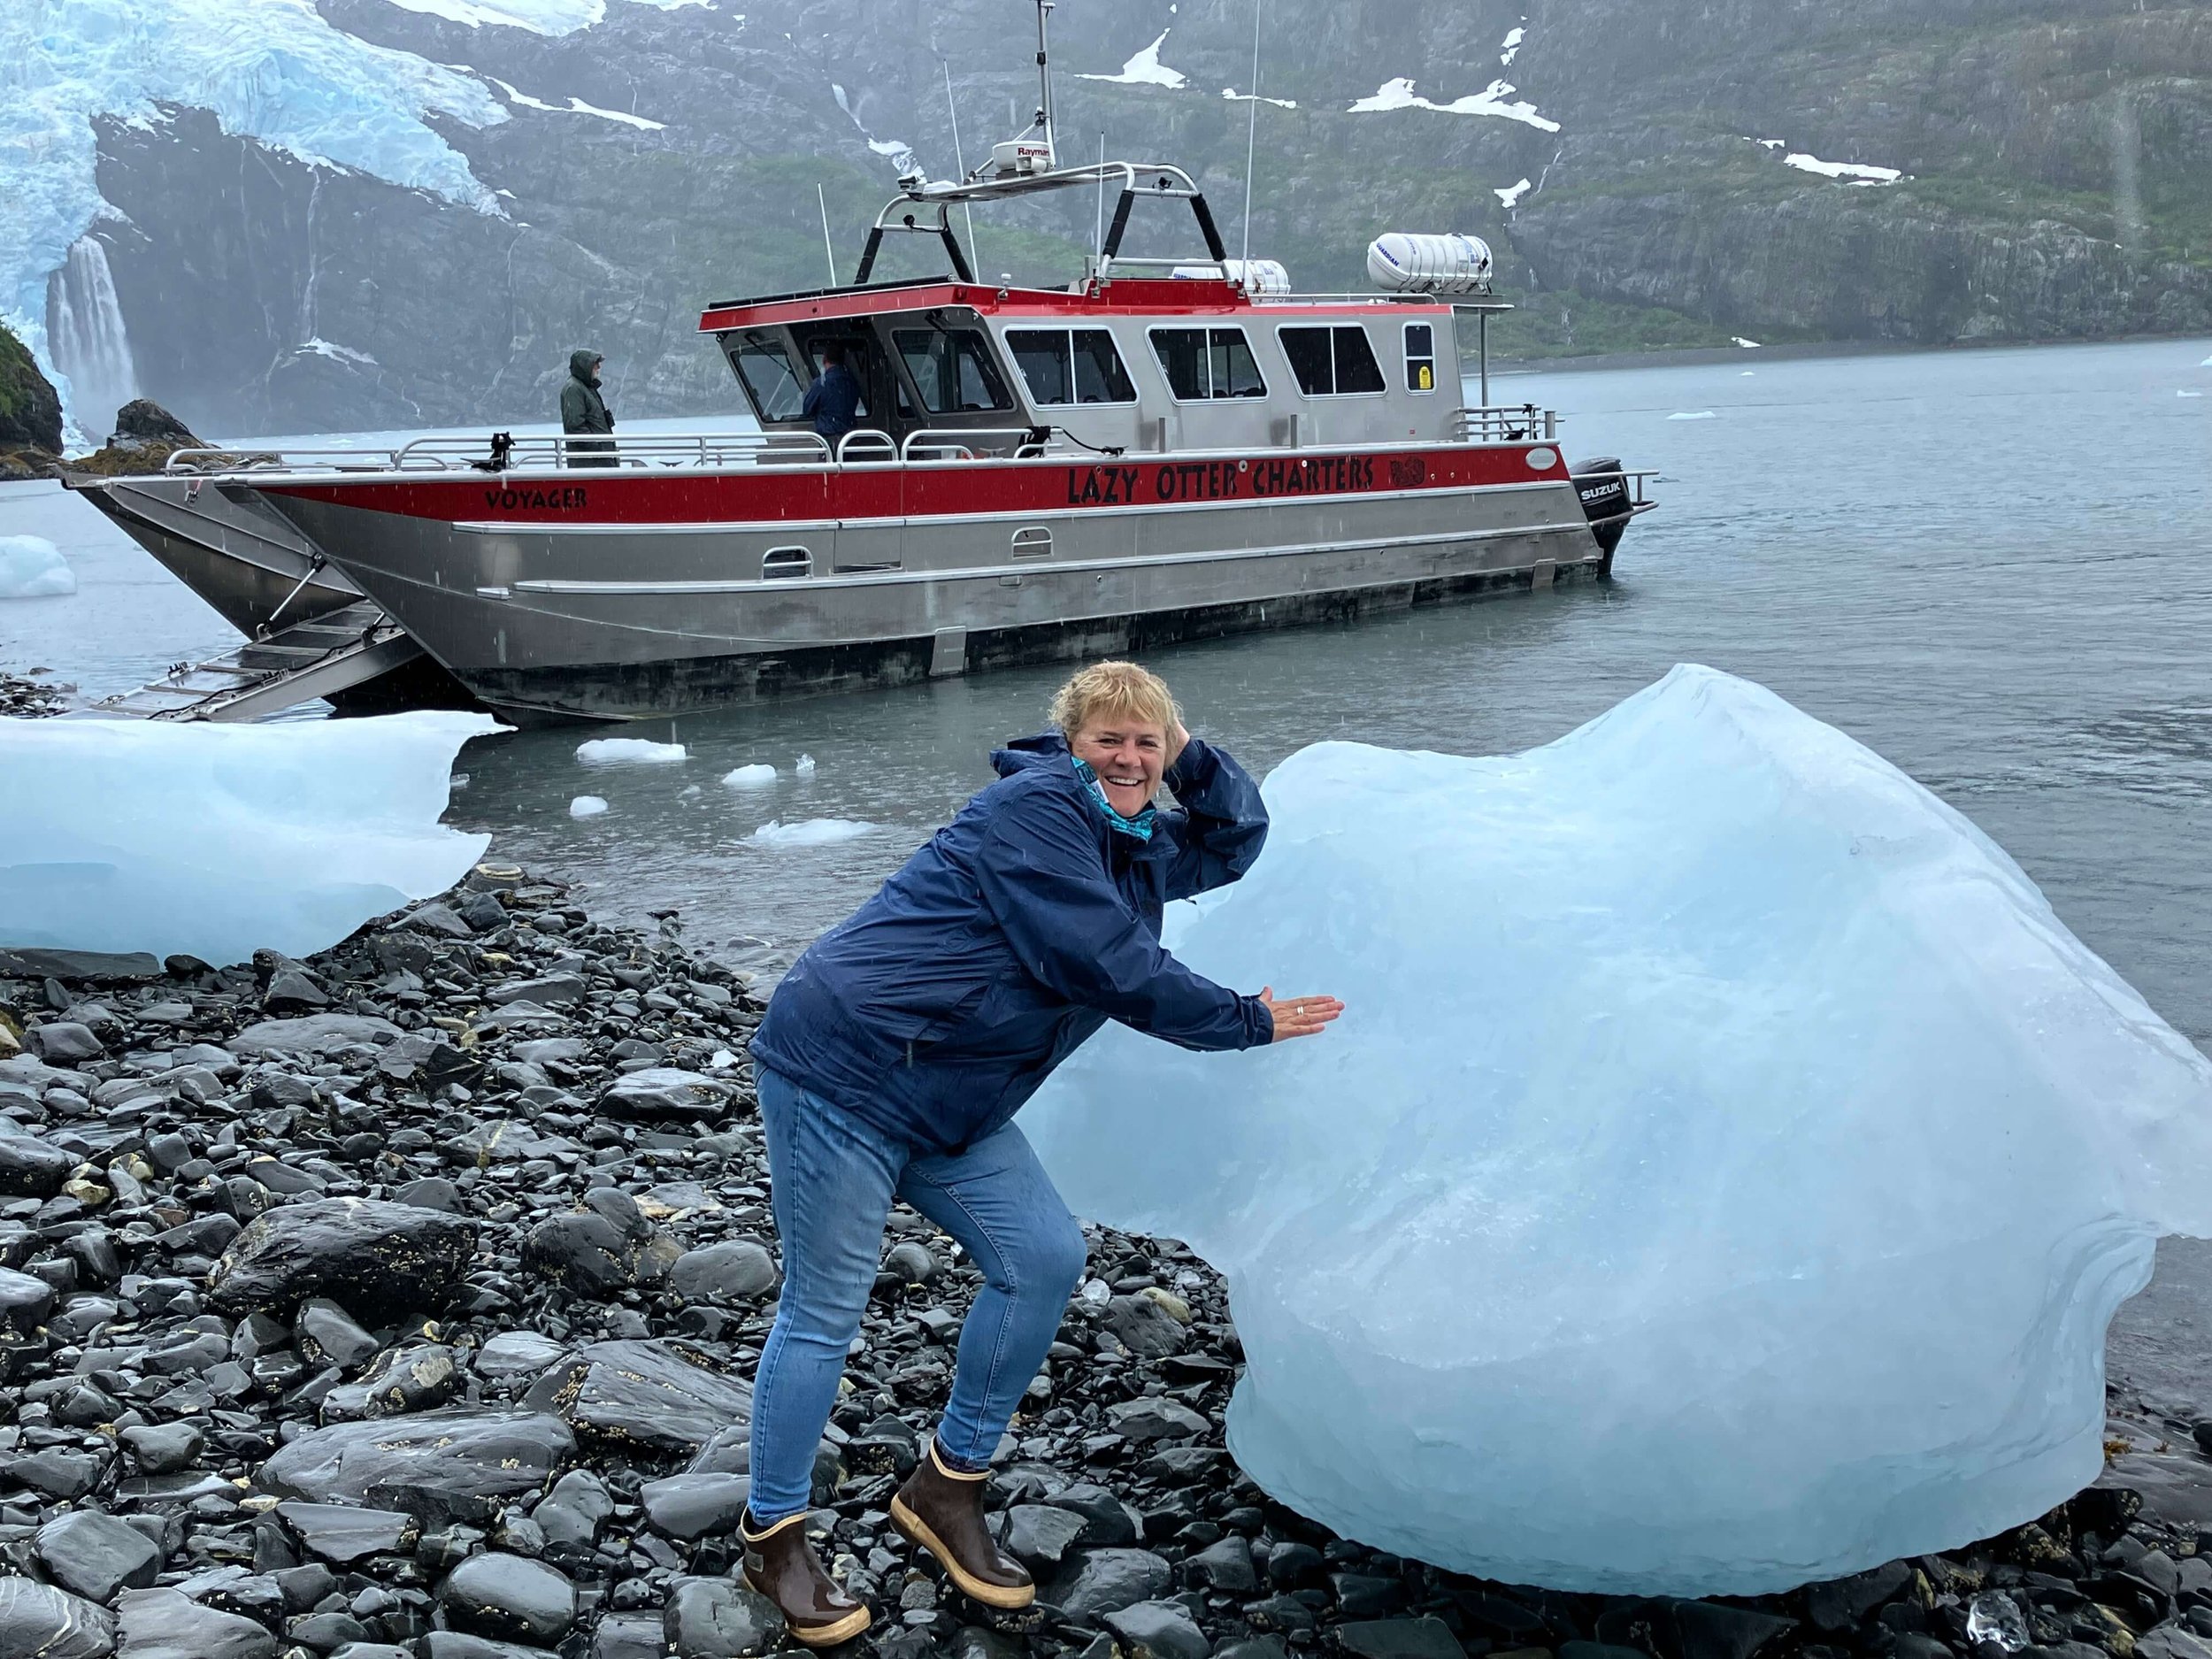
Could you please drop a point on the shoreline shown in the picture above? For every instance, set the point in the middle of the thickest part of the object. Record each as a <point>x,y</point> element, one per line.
<point>478,1199</point>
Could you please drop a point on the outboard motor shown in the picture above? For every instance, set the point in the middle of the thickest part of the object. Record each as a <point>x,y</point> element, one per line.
<point>1603,488</point>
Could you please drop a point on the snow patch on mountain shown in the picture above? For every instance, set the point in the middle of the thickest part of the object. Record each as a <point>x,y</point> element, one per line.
<point>540,17</point>
<point>574,106</point>
<point>1510,48</point>
<point>1234,96</point>
<point>1492,100</point>
<point>1855,171</point>
<point>269,70</point>
<point>1146,70</point>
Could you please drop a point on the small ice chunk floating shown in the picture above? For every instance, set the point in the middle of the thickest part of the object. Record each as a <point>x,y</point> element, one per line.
<point>1720,1179</point>
<point>217,841</point>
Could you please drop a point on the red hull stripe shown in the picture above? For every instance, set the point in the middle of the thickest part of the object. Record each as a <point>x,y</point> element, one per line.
<point>672,496</point>
<point>1127,297</point>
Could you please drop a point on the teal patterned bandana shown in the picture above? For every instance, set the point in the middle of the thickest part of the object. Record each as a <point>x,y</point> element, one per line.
<point>1141,825</point>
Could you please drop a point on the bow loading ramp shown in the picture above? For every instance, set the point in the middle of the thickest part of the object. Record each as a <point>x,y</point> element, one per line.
<point>324,656</point>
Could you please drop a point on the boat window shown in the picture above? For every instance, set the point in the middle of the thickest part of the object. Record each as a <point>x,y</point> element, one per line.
<point>1420,358</point>
<point>856,355</point>
<point>1208,363</point>
<point>1071,365</point>
<point>765,368</point>
<point>1333,362</point>
<point>952,370</point>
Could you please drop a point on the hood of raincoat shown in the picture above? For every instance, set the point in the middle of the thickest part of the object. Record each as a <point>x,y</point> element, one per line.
<point>584,365</point>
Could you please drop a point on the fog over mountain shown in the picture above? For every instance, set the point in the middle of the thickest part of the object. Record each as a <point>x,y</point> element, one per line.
<point>276,215</point>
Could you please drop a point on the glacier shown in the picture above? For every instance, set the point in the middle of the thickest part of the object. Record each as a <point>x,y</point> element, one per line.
<point>1720,1179</point>
<point>217,841</point>
<point>276,71</point>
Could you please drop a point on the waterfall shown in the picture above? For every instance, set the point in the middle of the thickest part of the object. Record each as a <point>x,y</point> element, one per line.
<point>84,331</point>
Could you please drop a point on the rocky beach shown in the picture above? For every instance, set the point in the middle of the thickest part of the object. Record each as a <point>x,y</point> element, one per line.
<point>398,1303</point>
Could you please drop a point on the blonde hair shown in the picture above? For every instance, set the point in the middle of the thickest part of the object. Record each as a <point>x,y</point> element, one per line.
<point>1114,690</point>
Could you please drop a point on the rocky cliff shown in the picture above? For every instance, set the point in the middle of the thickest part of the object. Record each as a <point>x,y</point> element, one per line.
<point>1652,172</point>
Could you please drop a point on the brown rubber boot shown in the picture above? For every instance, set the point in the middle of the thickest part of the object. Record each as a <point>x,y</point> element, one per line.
<point>780,1564</point>
<point>942,1510</point>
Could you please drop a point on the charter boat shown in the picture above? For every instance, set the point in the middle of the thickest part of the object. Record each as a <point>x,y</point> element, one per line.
<point>1165,449</point>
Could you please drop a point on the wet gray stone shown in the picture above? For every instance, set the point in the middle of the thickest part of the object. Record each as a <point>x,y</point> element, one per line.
<point>166,1624</point>
<point>323,1331</point>
<point>63,1042</point>
<point>41,1620</point>
<point>1106,1580</point>
<point>736,1270</point>
<point>1149,1418</point>
<point>95,1554</point>
<point>323,1631</point>
<point>712,1619</point>
<point>1225,1566</point>
<point>509,1598</point>
<point>1145,1328</point>
<point>25,1300</point>
<point>455,1644</point>
<point>588,1253</point>
<point>439,920</point>
<point>376,1259</point>
<point>161,1448</point>
<point>629,1636</point>
<point>665,1094</point>
<point>439,1466</point>
<point>664,1396</point>
<point>1036,1533</point>
<point>695,1505</point>
<point>1158,1630</point>
<point>517,1354</point>
<point>341,1533</point>
<point>30,1166</point>
<point>1401,1639</point>
<point>56,1472</point>
<point>552,990</point>
<point>314,1033</point>
<point>26,962</point>
<point>401,1380</point>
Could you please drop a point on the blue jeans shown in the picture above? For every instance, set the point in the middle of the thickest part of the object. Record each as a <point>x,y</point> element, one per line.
<point>831,1179</point>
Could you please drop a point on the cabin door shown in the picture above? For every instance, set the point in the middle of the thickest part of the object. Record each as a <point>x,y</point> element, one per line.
<point>865,491</point>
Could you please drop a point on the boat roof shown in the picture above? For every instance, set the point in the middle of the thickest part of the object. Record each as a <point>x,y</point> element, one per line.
<point>1148,296</point>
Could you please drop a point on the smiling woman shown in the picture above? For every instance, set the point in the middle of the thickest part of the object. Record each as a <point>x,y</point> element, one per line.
<point>897,1050</point>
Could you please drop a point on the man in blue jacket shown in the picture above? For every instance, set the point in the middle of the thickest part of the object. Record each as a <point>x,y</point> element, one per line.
<point>832,403</point>
<point>898,1048</point>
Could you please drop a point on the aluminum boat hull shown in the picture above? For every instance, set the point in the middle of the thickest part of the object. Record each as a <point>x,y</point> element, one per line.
<point>620,596</point>
<point>251,564</point>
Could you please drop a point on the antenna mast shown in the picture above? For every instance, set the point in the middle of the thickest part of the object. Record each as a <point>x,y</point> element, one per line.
<point>1044,70</point>
<point>1251,140</point>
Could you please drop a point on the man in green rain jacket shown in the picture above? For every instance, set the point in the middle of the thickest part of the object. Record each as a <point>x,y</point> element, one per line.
<point>583,411</point>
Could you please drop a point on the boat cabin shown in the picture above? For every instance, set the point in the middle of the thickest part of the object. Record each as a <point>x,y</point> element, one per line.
<point>1140,356</point>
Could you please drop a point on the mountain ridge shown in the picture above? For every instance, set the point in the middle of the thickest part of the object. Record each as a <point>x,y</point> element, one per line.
<point>2052,159</point>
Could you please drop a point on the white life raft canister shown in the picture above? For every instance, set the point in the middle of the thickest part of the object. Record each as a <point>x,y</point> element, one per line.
<point>1406,264</point>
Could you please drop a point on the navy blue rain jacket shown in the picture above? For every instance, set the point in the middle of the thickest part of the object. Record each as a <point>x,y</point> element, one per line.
<point>832,403</point>
<point>937,1009</point>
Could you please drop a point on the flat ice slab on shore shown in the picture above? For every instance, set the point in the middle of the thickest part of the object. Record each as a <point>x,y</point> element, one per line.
<point>217,841</point>
<point>1721,1178</point>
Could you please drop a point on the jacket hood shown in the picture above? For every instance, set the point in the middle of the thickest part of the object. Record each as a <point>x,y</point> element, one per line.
<point>1023,753</point>
<point>580,364</point>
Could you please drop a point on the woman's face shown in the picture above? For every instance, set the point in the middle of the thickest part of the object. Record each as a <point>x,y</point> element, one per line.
<point>1128,755</point>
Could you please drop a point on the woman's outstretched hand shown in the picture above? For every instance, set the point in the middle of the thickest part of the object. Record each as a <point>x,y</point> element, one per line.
<point>1299,1015</point>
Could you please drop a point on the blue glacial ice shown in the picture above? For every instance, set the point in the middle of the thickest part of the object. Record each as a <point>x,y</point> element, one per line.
<point>1722,1179</point>
<point>216,840</point>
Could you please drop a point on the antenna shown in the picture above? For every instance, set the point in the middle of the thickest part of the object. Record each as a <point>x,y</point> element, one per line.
<point>1251,140</point>
<point>1044,70</point>
<point>959,159</point>
<point>828,253</point>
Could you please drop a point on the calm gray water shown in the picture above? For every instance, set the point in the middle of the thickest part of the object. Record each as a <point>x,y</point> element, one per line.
<point>1994,567</point>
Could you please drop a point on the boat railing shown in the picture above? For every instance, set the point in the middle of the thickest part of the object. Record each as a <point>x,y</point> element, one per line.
<point>960,443</point>
<point>863,445</point>
<point>1510,423</point>
<point>499,452</point>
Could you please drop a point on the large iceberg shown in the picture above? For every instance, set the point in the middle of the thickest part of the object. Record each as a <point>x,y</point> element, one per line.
<point>1721,1178</point>
<point>216,840</point>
